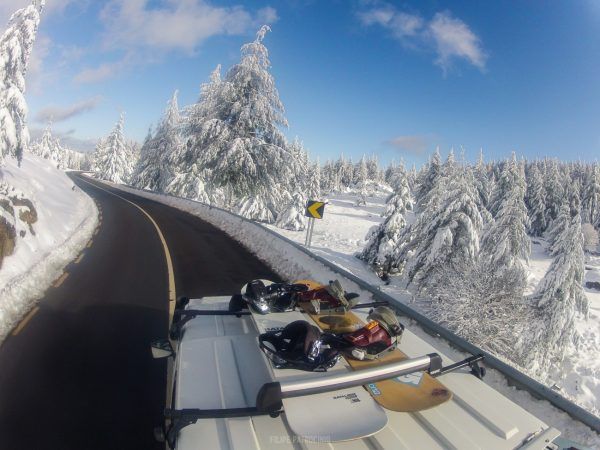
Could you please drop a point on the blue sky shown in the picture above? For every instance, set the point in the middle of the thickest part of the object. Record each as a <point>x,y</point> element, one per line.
<point>390,78</point>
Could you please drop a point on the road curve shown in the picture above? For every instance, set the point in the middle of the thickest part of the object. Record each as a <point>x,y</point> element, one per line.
<point>78,373</point>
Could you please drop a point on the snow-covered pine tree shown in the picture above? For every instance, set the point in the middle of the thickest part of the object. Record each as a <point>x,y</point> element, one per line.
<point>348,173</point>
<point>246,152</point>
<point>373,172</point>
<point>505,243</point>
<point>153,170</point>
<point>15,48</point>
<point>202,124</point>
<point>298,167</point>
<point>384,240</point>
<point>553,182</point>
<point>146,144</point>
<point>113,158</point>
<point>559,296</point>
<point>361,174</point>
<point>313,190</point>
<point>573,196</point>
<point>412,177</point>
<point>328,177</point>
<point>292,216</point>
<point>590,203</point>
<point>361,177</point>
<point>45,147</point>
<point>536,196</point>
<point>558,225</point>
<point>482,181</point>
<point>429,177</point>
<point>446,232</point>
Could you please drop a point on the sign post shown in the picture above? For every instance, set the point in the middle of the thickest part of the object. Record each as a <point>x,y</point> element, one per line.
<point>314,210</point>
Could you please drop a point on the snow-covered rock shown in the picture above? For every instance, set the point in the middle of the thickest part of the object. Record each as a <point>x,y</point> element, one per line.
<point>65,219</point>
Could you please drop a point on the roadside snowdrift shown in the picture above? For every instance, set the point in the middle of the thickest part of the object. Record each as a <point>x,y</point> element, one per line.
<point>66,219</point>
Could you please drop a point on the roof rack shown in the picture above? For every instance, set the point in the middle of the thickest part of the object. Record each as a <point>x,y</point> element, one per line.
<point>269,400</point>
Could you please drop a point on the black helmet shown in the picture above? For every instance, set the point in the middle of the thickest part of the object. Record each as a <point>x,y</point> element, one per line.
<point>298,346</point>
<point>264,296</point>
<point>255,294</point>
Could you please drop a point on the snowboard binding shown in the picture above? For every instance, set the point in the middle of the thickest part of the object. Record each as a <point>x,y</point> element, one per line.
<point>379,336</point>
<point>329,299</point>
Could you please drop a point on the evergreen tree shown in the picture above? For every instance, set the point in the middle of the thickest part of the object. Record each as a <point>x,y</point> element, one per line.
<point>245,151</point>
<point>559,296</point>
<point>15,48</point>
<point>554,183</point>
<point>113,157</point>
<point>429,178</point>
<point>314,182</point>
<point>559,224</point>
<point>505,243</point>
<point>536,194</point>
<point>292,216</point>
<point>447,231</point>
<point>373,172</point>
<point>384,240</point>
<point>482,181</point>
<point>590,203</point>
<point>154,170</point>
<point>298,168</point>
<point>361,174</point>
<point>202,124</point>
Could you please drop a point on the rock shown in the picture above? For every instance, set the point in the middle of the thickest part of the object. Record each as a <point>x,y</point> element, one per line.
<point>593,285</point>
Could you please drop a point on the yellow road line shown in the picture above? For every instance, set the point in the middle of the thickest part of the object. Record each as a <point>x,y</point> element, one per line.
<point>61,280</point>
<point>89,244</point>
<point>79,258</point>
<point>170,271</point>
<point>25,321</point>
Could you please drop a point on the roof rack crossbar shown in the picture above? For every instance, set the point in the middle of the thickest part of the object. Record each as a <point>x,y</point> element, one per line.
<point>181,418</point>
<point>183,316</point>
<point>271,395</point>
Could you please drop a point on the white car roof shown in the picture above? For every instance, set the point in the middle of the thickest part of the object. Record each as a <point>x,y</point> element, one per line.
<point>219,366</point>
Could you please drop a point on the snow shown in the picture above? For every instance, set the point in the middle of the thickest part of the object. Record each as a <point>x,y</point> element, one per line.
<point>341,234</point>
<point>66,220</point>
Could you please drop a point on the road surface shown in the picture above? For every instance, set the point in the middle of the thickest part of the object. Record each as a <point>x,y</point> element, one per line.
<point>77,372</point>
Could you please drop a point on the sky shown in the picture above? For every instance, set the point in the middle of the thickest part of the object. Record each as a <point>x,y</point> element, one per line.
<point>394,79</point>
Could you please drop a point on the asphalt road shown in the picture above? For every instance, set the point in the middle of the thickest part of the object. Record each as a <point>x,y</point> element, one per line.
<point>79,374</point>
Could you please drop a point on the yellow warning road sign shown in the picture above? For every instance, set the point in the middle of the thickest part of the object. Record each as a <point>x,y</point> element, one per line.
<point>315,209</point>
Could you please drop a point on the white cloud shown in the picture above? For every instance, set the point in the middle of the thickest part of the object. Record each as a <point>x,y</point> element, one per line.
<point>412,144</point>
<point>61,113</point>
<point>67,139</point>
<point>174,24</point>
<point>102,72</point>
<point>145,31</point>
<point>450,38</point>
<point>454,39</point>
<point>399,23</point>
<point>8,7</point>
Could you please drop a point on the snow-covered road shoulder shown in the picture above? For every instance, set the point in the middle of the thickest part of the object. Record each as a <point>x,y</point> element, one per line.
<point>66,219</point>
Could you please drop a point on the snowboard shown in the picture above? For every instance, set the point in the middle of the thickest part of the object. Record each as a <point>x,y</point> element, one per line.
<point>335,416</point>
<point>408,393</point>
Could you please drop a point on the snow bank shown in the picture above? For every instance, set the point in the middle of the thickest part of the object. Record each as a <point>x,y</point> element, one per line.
<point>66,220</point>
<point>291,263</point>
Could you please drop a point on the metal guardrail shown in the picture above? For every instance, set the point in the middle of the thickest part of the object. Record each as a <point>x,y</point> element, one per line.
<point>514,376</point>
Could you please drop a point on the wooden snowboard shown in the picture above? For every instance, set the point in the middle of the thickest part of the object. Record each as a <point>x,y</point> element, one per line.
<point>409,393</point>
